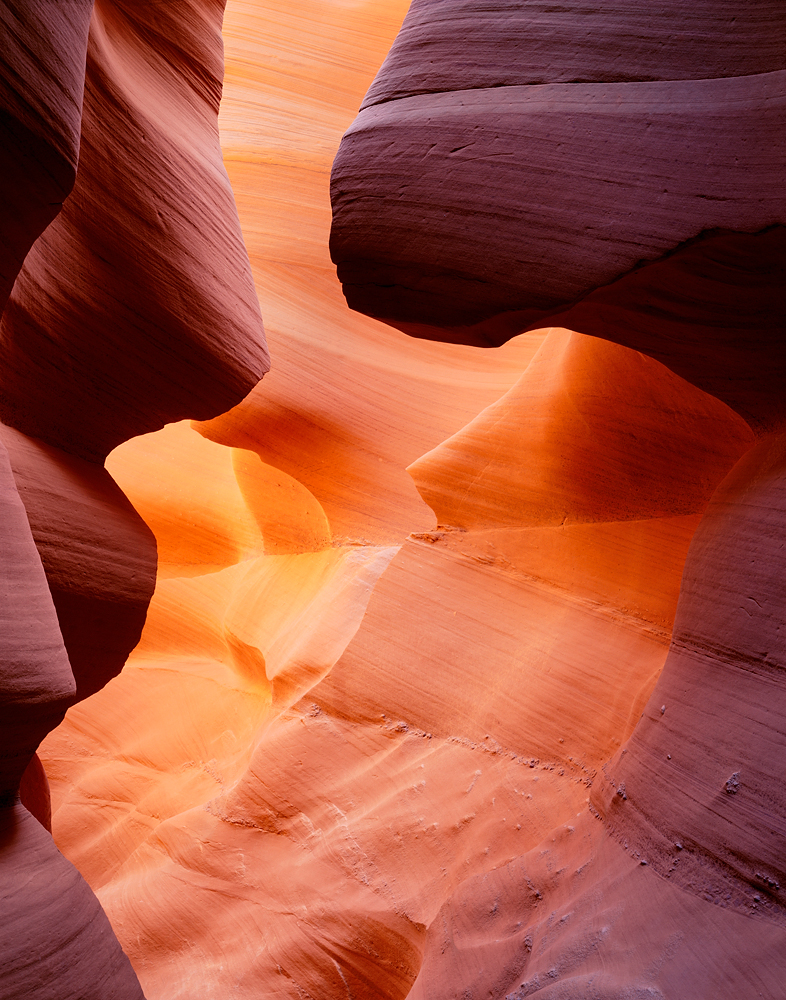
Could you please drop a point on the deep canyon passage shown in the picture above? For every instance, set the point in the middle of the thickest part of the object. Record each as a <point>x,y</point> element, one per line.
<point>459,672</point>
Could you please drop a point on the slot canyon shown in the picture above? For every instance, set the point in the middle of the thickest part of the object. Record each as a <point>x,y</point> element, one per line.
<point>393,491</point>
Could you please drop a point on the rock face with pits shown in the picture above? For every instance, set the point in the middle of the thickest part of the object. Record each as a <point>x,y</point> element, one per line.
<point>462,673</point>
<point>586,182</point>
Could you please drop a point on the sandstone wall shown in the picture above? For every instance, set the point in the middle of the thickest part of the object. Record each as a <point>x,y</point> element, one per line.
<point>448,671</point>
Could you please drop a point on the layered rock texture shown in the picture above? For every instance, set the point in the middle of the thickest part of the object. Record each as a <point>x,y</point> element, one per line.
<point>596,139</point>
<point>135,307</point>
<point>458,672</point>
<point>611,168</point>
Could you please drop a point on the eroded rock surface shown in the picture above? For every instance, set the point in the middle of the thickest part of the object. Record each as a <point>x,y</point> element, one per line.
<point>398,723</point>
<point>135,306</point>
<point>471,200</point>
<point>41,89</point>
<point>583,168</point>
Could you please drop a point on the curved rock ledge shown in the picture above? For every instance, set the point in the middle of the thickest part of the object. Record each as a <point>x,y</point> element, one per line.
<point>462,670</point>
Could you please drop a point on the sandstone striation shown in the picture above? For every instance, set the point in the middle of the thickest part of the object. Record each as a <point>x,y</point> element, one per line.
<point>55,939</point>
<point>146,251</point>
<point>471,201</point>
<point>532,458</point>
<point>41,90</point>
<point>713,790</point>
<point>445,45</point>
<point>583,168</point>
<point>134,307</point>
<point>459,672</point>
<point>37,681</point>
<point>98,555</point>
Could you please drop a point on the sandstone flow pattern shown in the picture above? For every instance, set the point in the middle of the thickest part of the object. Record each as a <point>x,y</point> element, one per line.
<point>447,660</point>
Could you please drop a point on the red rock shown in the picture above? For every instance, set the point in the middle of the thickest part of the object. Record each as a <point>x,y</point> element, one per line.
<point>720,307</point>
<point>34,792</point>
<point>574,186</point>
<point>533,457</point>
<point>136,307</point>
<point>98,555</point>
<point>304,796</point>
<point>578,917</point>
<point>469,44</point>
<point>680,889</point>
<point>471,201</point>
<point>582,166</point>
<point>425,755</point>
<point>41,84</point>
<point>703,767</point>
<point>35,676</point>
<point>55,939</point>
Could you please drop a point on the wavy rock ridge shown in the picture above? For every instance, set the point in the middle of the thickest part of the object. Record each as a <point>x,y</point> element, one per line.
<point>355,753</point>
<point>605,196</point>
<point>110,329</point>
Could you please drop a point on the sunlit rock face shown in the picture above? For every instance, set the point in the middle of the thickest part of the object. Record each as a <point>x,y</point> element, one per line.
<point>517,162</point>
<point>393,726</point>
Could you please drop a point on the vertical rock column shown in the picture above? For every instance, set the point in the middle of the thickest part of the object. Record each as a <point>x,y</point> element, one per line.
<point>698,791</point>
<point>55,940</point>
<point>134,308</point>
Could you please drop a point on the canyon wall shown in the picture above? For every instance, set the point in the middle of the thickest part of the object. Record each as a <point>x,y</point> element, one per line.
<point>128,302</point>
<point>450,671</point>
<point>599,178</point>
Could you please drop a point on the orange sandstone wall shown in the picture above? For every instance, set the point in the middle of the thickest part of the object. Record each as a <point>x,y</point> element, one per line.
<point>411,597</point>
<point>585,164</point>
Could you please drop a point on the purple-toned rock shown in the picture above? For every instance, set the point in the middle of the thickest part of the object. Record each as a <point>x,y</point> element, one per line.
<point>615,169</point>
<point>55,940</point>
<point>508,172</point>
<point>34,792</point>
<point>134,307</point>
<point>42,74</point>
<point>704,767</point>
<point>36,683</point>
<point>98,554</point>
<point>472,44</point>
<point>137,307</point>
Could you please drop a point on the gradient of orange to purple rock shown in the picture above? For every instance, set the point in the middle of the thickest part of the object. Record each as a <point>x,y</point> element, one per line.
<point>352,751</point>
<point>605,173</point>
<point>111,328</point>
